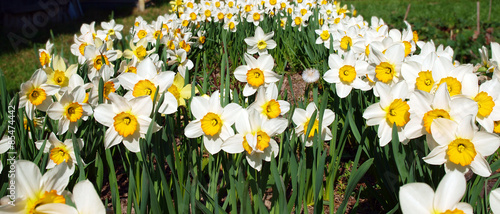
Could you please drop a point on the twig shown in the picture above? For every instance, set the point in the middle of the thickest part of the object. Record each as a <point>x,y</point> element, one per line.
<point>489,11</point>
<point>407,11</point>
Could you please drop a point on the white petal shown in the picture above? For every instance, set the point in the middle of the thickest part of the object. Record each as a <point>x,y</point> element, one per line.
<point>193,129</point>
<point>437,156</point>
<point>416,198</point>
<point>480,166</point>
<point>233,145</point>
<point>443,130</point>
<point>141,105</point>
<point>450,191</point>
<point>103,113</point>
<point>495,201</point>
<point>112,138</point>
<point>199,107</point>
<point>213,145</point>
<point>486,143</point>
<point>54,208</point>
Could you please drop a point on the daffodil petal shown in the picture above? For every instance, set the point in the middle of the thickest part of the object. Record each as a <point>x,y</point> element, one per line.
<point>416,198</point>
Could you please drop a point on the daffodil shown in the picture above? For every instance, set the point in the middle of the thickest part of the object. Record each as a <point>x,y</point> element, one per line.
<point>420,198</point>
<point>392,109</point>
<point>487,97</point>
<point>255,16</point>
<point>425,107</point>
<point>495,201</point>
<point>45,55</point>
<point>495,59</point>
<point>36,93</point>
<point>111,31</point>
<point>97,56</point>
<point>255,136</point>
<point>461,146</point>
<point>213,121</point>
<point>110,85</point>
<point>60,151</point>
<point>267,103</point>
<point>59,74</point>
<point>37,193</point>
<point>387,64</point>
<point>180,91</point>
<point>324,35</point>
<point>260,42</point>
<point>138,52</point>
<point>69,110</point>
<point>230,24</point>
<point>346,74</point>
<point>146,81</point>
<point>127,121</point>
<point>302,118</point>
<point>256,73</point>
<point>179,57</point>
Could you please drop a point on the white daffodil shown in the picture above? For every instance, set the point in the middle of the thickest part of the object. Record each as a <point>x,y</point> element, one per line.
<point>255,73</point>
<point>111,31</point>
<point>387,64</point>
<point>36,93</point>
<point>59,75</point>
<point>425,107</point>
<point>495,60</point>
<point>69,110</point>
<point>461,147</point>
<point>180,57</point>
<point>110,85</point>
<point>267,103</point>
<point>255,16</point>
<point>487,97</point>
<point>231,24</point>
<point>346,74</point>
<point>302,118</point>
<point>495,201</point>
<point>255,136</point>
<point>213,122</point>
<point>97,56</point>
<point>138,52</point>
<point>39,194</point>
<point>128,121</point>
<point>260,42</point>
<point>324,36</point>
<point>60,151</point>
<point>86,199</point>
<point>392,109</point>
<point>146,81</point>
<point>45,55</point>
<point>419,198</point>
